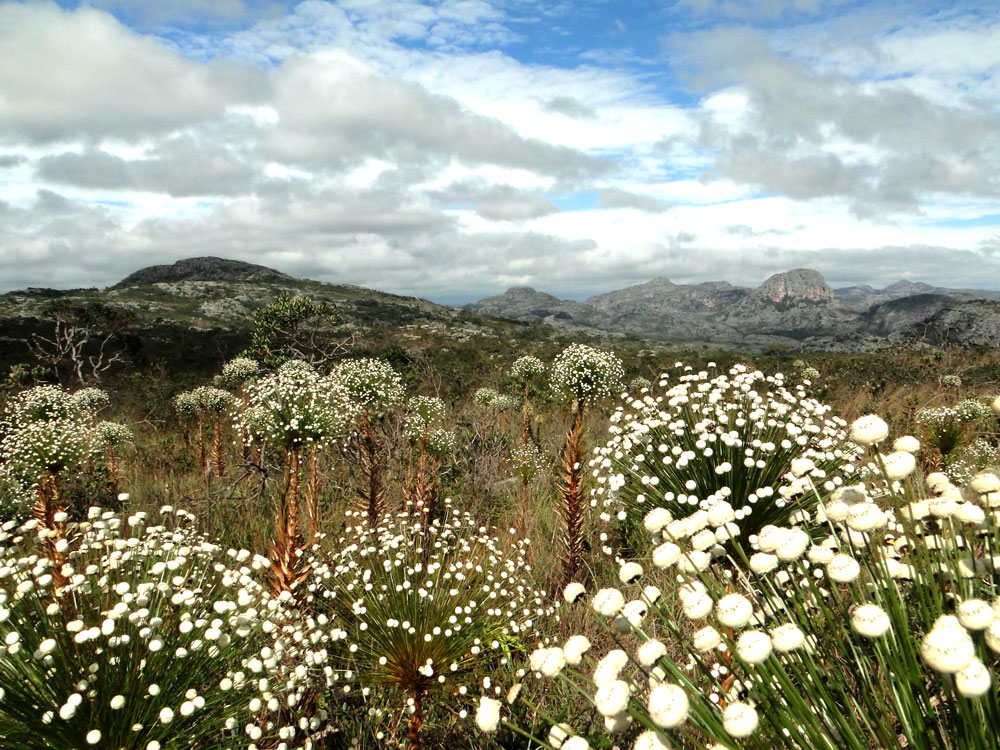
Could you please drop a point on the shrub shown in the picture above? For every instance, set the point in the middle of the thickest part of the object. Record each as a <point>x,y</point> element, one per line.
<point>722,441</point>
<point>862,625</point>
<point>429,609</point>
<point>151,641</point>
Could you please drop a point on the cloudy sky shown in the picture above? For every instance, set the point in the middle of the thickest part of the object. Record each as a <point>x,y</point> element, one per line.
<point>454,148</point>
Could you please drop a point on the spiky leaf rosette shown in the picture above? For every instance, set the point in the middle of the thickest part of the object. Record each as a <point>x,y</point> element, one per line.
<point>864,624</point>
<point>585,373</point>
<point>371,383</point>
<point>156,640</point>
<point>296,406</point>
<point>702,439</point>
<point>427,607</point>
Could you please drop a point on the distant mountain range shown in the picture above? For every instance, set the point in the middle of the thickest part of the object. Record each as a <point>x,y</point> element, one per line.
<point>795,308</point>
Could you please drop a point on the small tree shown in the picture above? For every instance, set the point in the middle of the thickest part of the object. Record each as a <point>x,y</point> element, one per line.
<point>376,387</point>
<point>295,327</point>
<point>81,335</point>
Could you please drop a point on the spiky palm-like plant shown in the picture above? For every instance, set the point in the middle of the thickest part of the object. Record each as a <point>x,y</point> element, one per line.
<point>584,374</point>
<point>376,387</point>
<point>429,608</point>
<point>295,409</point>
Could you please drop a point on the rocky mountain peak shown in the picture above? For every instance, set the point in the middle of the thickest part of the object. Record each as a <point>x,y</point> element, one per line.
<point>797,284</point>
<point>205,268</point>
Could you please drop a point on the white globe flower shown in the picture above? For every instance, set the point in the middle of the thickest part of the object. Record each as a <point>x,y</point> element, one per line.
<point>574,649</point>
<point>753,646</point>
<point>666,555</point>
<point>975,614</point>
<point>870,620</point>
<point>629,572</point>
<point>488,714</point>
<point>558,734</point>
<point>843,568</point>
<point>650,740</point>
<point>734,610</point>
<point>906,443</point>
<point>974,680</point>
<point>608,602</point>
<point>612,698</point>
<point>574,592</point>
<point>739,720</point>
<point>668,706</point>
<point>650,652</point>
<point>787,637</point>
<point>869,430</point>
<point>706,639</point>
<point>899,465</point>
<point>948,649</point>
<point>697,605</point>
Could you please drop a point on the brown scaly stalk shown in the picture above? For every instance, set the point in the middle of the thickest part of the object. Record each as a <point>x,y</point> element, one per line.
<point>244,432</point>
<point>218,459</point>
<point>526,440</point>
<point>571,490</point>
<point>416,722</point>
<point>285,573</point>
<point>312,495</point>
<point>522,513</point>
<point>48,504</point>
<point>421,491</point>
<point>373,490</point>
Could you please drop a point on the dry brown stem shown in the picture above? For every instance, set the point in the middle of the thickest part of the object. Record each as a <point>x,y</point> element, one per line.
<point>571,491</point>
<point>286,571</point>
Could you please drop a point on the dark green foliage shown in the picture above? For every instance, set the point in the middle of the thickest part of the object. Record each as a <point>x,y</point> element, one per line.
<point>293,327</point>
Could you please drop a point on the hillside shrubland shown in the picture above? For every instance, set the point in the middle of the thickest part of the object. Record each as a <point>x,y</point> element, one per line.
<point>523,541</point>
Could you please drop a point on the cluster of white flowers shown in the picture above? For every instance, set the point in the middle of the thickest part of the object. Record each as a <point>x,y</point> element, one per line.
<point>371,383</point>
<point>876,587</point>
<point>210,400</point>
<point>112,435</point>
<point>527,369</point>
<point>147,636</point>
<point>46,430</point>
<point>951,381</point>
<point>424,414</point>
<point>742,443</point>
<point>296,406</point>
<point>527,461</point>
<point>484,396</point>
<point>971,459</point>
<point>585,373</point>
<point>239,370</point>
<point>426,607</point>
<point>968,411</point>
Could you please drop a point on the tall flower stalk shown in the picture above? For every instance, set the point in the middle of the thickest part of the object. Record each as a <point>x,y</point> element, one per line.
<point>376,387</point>
<point>295,409</point>
<point>431,443</point>
<point>583,374</point>
<point>526,372</point>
